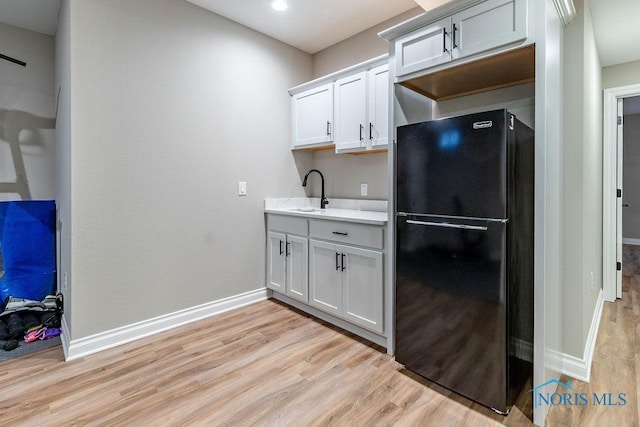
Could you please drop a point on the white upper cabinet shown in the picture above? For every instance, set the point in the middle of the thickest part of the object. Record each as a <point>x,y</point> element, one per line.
<point>312,117</point>
<point>480,28</point>
<point>488,25</point>
<point>350,108</point>
<point>378,81</point>
<point>424,48</point>
<point>347,110</point>
<point>361,110</point>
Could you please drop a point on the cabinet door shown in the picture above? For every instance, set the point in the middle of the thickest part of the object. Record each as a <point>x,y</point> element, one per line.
<point>423,48</point>
<point>312,116</point>
<point>297,268</point>
<point>350,109</point>
<point>325,282</point>
<point>378,111</point>
<point>488,25</point>
<point>276,261</point>
<point>362,287</point>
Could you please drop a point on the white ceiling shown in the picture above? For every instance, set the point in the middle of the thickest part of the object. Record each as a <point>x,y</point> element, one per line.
<point>617,30</point>
<point>312,25</point>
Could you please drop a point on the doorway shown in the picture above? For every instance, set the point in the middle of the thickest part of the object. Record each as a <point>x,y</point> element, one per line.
<point>631,171</point>
<point>613,181</point>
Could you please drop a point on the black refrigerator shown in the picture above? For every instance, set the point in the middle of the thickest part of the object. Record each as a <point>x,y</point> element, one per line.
<point>464,254</point>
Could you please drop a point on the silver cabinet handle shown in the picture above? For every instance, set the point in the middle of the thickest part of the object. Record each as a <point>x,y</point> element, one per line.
<point>447,225</point>
<point>328,128</point>
<point>361,129</point>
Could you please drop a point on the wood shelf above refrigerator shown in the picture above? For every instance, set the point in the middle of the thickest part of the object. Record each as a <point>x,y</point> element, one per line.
<point>510,68</point>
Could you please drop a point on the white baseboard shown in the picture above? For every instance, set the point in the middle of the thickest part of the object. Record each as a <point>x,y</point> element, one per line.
<point>92,344</point>
<point>630,241</point>
<point>64,336</point>
<point>580,368</point>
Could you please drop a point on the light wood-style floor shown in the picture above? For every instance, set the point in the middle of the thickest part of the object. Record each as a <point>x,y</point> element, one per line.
<point>616,360</point>
<point>267,364</point>
<point>264,364</point>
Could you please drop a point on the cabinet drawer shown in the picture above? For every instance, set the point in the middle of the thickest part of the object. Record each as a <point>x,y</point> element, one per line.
<point>346,232</point>
<point>287,224</point>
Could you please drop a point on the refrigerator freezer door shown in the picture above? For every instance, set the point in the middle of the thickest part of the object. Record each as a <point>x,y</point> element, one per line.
<point>454,167</point>
<point>450,305</point>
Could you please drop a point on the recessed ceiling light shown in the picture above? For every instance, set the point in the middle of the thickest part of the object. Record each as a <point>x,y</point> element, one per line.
<point>279,5</point>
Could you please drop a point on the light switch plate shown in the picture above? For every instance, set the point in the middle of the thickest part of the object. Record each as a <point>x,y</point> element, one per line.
<point>364,188</point>
<point>242,188</point>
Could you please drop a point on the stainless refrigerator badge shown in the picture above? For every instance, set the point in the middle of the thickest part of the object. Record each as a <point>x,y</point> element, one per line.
<point>483,125</point>
<point>464,253</point>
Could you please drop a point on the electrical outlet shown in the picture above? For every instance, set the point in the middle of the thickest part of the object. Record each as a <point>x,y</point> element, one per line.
<point>242,188</point>
<point>66,281</point>
<point>364,188</point>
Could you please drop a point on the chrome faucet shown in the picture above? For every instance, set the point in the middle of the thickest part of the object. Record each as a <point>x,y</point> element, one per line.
<point>323,200</point>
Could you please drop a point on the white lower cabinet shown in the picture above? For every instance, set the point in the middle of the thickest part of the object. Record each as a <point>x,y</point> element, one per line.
<point>287,265</point>
<point>325,277</point>
<point>333,266</point>
<point>347,281</point>
<point>297,255</point>
<point>362,287</point>
<point>276,262</point>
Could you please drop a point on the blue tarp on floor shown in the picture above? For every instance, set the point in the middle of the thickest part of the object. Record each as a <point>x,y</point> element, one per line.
<point>28,247</point>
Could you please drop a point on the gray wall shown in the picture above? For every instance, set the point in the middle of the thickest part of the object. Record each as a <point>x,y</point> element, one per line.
<point>27,105</point>
<point>631,177</point>
<point>582,181</point>
<point>63,162</point>
<point>621,75</point>
<point>345,172</point>
<point>359,48</point>
<point>169,107</point>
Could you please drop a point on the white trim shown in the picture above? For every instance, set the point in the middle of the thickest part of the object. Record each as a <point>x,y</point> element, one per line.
<point>580,368</point>
<point>566,11</point>
<point>630,241</point>
<point>64,336</point>
<point>609,168</point>
<point>92,344</point>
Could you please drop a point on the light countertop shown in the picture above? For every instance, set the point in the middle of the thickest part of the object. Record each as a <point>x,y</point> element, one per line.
<point>348,210</point>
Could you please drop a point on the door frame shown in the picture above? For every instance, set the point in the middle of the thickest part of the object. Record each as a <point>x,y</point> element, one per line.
<point>609,185</point>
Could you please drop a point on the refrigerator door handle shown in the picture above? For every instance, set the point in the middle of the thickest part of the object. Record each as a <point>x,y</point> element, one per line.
<point>448,225</point>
